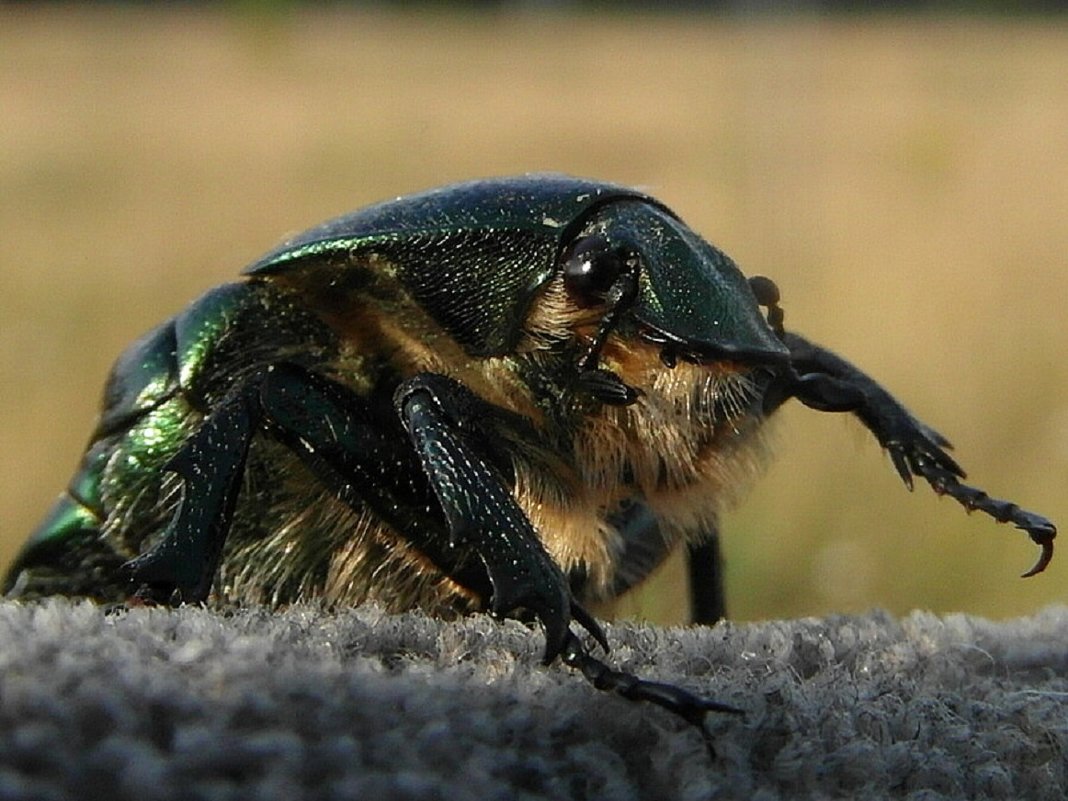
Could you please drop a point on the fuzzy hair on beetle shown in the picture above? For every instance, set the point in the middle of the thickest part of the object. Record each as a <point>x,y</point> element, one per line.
<point>517,395</point>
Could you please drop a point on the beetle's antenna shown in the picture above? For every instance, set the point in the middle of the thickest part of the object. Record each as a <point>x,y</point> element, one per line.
<point>605,385</point>
<point>767,295</point>
<point>619,297</point>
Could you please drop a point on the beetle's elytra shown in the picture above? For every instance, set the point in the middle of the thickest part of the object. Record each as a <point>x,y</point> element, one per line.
<point>511,394</point>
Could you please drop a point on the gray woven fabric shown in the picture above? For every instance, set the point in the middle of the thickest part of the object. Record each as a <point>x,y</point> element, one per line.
<point>156,705</point>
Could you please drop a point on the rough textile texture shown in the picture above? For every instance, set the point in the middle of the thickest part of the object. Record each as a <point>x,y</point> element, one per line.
<point>160,705</point>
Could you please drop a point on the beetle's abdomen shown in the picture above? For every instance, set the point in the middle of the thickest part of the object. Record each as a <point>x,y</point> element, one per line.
<point>65,555</point>
<point>157,394</point>
<point>79,548</point>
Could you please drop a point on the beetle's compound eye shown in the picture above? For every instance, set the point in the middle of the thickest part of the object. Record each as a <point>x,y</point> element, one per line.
<point>591,266</point>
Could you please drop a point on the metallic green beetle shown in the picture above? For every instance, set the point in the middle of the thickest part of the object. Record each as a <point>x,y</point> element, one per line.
<point>516,394</point>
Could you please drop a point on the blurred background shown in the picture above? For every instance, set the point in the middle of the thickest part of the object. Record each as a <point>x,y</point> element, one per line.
<point>903,178</point>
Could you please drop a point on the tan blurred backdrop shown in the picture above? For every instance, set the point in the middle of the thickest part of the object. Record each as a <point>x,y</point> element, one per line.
<point>904,181</point>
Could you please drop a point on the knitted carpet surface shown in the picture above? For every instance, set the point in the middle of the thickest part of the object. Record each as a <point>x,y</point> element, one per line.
<point>161,705</point>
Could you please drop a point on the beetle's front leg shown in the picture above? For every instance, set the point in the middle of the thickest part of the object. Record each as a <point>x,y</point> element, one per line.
<point>822,380</point>
<point>441,418</point>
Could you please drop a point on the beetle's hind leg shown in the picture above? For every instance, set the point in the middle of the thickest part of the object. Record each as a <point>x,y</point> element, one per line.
<point>824,381</point>
<point>423,467</point>
<point>182,566</point>
<point>331,429</point>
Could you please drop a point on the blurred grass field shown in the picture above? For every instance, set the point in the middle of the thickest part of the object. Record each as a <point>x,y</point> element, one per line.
<point>904,181</point>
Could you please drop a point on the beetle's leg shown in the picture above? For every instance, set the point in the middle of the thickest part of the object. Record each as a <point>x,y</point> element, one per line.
<point>444,423</point>
<point>332,430</point>
<point>707,599</point>
<point>643,549</point>
<point>210,464</point>
<point>690,707</point>
<point>324,424</point>
<point>481,513</point>
<point>824,381</point>
<point>358,449</point>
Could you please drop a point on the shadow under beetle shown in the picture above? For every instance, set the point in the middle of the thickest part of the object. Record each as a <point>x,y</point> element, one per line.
<point>516,394</point>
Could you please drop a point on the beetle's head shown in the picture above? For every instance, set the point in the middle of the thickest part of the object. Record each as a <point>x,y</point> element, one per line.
<point>658,281</point>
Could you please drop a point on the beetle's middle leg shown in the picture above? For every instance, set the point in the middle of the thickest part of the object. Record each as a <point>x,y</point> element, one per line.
<point>708,603</point>
<point>822,380</point>
<point>690,707</point>
<point>446,424</point>
<point>643,550</point>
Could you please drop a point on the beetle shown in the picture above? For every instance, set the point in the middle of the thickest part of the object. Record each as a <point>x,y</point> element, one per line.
<point>517,394</point>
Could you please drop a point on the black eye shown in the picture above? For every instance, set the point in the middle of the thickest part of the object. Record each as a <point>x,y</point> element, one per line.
<point>591,267</point>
